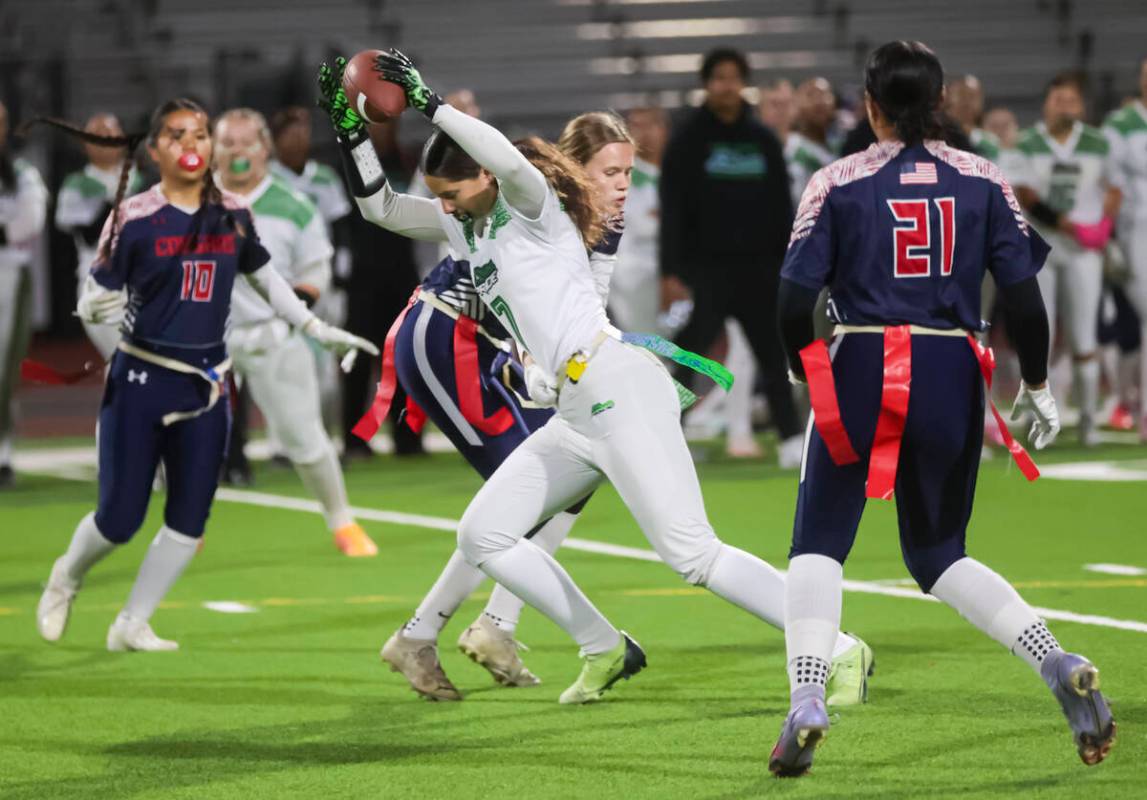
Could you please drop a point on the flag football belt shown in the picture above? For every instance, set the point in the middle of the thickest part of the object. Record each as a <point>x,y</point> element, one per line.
<point>576,365</point>
<point>885,453</point>
<point>214,376</point>
<point>465,351</point>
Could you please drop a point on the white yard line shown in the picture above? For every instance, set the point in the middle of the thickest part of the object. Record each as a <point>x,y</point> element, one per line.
<point>70,464</point>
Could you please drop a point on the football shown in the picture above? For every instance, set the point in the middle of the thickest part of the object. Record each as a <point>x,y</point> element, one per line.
<point>368,93</point>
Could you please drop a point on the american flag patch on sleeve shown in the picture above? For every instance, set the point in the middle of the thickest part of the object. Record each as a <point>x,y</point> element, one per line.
<point>921,172</point>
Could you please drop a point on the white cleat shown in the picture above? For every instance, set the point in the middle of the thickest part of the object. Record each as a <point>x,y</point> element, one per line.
<point>496,650</point>
<point>790,452</point>
<point>133,635</point>
<point>55,605</point>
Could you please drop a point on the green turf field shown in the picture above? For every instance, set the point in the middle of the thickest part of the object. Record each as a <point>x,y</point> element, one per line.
<point>292,701</point>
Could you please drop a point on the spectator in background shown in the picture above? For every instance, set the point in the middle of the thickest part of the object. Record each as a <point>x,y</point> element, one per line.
<point>807,148</point>
<point>634,295</point>
<point>776,107</point>
<point>382,278</point>
<point>726,214</point>
<point>964,105</point>
<point>84,201</point>
<point>23,207</point>
<point>1001,123</point>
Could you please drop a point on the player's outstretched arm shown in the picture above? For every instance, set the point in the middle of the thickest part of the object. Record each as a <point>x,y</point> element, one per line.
<point>278,293</point>
<point>523,186</point>
<point>795,306</point>
<point>414,217</point>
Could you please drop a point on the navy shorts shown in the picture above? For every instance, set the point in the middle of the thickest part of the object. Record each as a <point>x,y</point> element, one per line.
<point>939,455</point>
<point>133,439</point>
<point>431,373</point>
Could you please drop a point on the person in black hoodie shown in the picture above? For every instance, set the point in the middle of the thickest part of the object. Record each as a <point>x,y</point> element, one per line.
<point>726,214</point>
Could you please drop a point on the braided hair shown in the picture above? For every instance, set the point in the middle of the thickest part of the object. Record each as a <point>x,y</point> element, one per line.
<point>130,142</point>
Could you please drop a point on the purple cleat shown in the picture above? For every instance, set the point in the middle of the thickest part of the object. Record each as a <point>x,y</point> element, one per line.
<point>1075,682</point>
<point>805,728</point>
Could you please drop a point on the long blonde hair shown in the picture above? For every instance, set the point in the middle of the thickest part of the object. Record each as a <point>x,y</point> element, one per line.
<point>573,187</point>
<point>587,133</point>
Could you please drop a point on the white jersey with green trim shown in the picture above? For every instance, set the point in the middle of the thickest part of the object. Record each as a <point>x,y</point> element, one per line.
<point>291,229</point>
<point>84,195</point>
<point>1126,131</point>
<point>1072,177</point>
<point>534,275</point>
<point>803,157</point>
<point>22,211</point>
<point>321,185</point>
<point>986,144</point>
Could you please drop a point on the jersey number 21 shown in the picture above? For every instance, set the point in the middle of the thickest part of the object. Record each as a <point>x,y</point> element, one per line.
<point>912,239</point>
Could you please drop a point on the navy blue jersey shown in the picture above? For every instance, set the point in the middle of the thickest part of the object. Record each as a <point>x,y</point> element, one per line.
<point>904,234</point>
<point>452,283</point>
<point>179,270</point>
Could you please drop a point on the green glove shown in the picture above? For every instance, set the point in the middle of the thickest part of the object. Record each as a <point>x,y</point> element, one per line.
<point>333,100</point>
<point>397,68</point>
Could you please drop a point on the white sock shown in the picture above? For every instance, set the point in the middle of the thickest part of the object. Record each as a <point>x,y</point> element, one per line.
<point>533,575</point>
<point>324,480</point>
<point>1086,374</point>
<point>812,617</point>
<point>457,582</point>
<point>750,583</point>
<point>169,554</point>
<point>986,600</point>
<point>504,608</point>
<point>87,547</point>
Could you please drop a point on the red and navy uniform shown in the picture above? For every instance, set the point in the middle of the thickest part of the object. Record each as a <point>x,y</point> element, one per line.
<point>178,269</point>
<point>902,236</point>
<point>445,363</point>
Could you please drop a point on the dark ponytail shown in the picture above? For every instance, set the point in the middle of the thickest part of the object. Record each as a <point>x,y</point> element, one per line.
<point>906,82</point>
<point>442,157</point>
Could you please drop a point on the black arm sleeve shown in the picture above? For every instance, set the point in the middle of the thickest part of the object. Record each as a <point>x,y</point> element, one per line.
<point>1027,325</point>
<point>1043,213</point>
<point>795,307</point>
<point>360,185</point>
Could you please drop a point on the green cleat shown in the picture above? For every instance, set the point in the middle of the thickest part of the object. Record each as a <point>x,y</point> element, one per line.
<point>600,672</point>
<point>848,678</point>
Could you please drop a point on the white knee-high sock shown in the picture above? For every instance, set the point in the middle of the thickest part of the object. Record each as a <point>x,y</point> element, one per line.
<point>989,602</point>
<point>812,618</point>
<point>324,480</point>
<point>533,575</point>
<point>750,583</point>
<point>504,608</point>
<point>169,554</point>
<point>457,582</point>
<point>87,547</point>
<point>1086,374</point>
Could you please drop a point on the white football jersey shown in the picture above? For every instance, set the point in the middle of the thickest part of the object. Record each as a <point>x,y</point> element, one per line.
<point>1071,177</point>
<point>1126,131</point>
<point>321,185</point>
<point>292,231</point>
<point>803,157</point>
<point>83,196</point>
<point>534,275</point>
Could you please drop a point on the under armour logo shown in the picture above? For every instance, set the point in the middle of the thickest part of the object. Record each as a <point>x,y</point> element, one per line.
<point>137,377</point>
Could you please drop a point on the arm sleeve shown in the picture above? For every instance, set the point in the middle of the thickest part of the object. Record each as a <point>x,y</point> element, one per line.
<point>252,254</point>
<point>810,259</point>
<point>413,217</point>
<point>1027,324</point>
<point>796,305</point>
<point>674,191</point>
<point>278,293</point>
<point>31,207</point>
<point>520,182</point>
<point>1015,250</point>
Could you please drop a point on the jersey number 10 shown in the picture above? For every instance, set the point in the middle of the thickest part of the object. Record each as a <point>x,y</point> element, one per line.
<point>912,241</point>
<point>198,281</point>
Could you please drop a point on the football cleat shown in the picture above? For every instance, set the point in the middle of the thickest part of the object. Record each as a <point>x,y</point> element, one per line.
<point>133,635</point>
<point>353,541</point>
<point>804,730</point>
<point>848,677</point>
<point>417,660</point>
<point>600,672</point>
<point>1075,683</point>
<point>791,452</point>
<point>1121,418</point>
<point>496,650</point>
<point>55,605</point>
